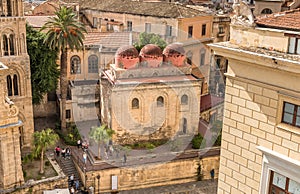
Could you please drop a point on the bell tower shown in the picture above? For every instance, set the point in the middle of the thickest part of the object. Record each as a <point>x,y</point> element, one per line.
<point>13,54</point>
<point>10,154</point>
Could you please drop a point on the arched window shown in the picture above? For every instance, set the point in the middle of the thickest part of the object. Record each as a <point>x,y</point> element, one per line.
<point>9,85</point>
<point>266,11</point>
<point>16,88</point>
<point>11,45</point>
<point>135,103</point>
<point>160,101</point>
<point>75,65</point>
<point>93,64</point>
<point>184,99</point>
<point>184,125</point>
<point>5,45</point>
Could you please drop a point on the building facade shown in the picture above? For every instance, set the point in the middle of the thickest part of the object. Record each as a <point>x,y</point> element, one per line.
<point>11,173</point>
<point>14,55</point>
<point>150,95</point>
<point>260,137</point>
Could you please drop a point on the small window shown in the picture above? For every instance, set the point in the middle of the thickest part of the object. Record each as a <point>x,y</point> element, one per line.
<point>11,44</point>
<point>147,27</point>
<point>202,57</point>
<point>190,31</point>
<point>221,30</point>
<point>184,125</point>
<point>93,64</point>
<point>169,30</point>
<point>184,99</point>
<point>282,184</point>
<point>291,114</point>
<point>75,65</point>
<point>5,45</point>
<point>218,63</point>
<point>129,26</point>
<point>160,101</point>
<point>294,45</point>
<point>68,114</point>
<point>16,85</point>
<point>203,32</point>
<point>266,11</point>
<point>135,103</point>
<point>95,22</point>
<point>9,85</point>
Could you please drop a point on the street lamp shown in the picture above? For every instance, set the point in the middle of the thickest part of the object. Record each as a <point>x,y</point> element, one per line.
<point>98,177</point>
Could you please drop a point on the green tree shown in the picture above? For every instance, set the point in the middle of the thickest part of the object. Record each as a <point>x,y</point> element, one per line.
<point>43,140</point>
<point>149,38</point>
<point>99,135</point>
<point>64,32</point>
<point>44,70</point>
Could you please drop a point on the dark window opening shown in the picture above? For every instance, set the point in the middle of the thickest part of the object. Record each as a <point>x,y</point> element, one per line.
<point>5,45</point>
<point>75,65</point>
<point>68,114</point>
<point>135,103</point>
<point>93,64</point>
<point>190,32</point>
<point>15,81</point>
<point>266,11</point>
<point>184,125</point>
<point>9,85</point>
<point>129,26</point>
<point>184,99</point>
<point>203,32</point>
<point>160,101</point>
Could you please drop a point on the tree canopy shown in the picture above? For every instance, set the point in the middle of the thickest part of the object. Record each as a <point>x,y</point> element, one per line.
<point>44,70</point>
<point>64,32</point>
<point>42,140</point>
<point>149,38</point>
<point>100,135</point>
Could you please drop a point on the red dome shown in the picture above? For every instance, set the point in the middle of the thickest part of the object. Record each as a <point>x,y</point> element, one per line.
<point>129,50</point>
<point>151,49</point>
<point>174,49</point>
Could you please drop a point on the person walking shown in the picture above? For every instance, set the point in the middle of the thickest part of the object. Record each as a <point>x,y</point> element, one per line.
<point>57,150</point>
<point>77,185</point>
<point>84,155</point>
<point>72,180</point>
<point>78,143</point>
<point>212,174</point>
<point>63,153</point>
<point>124,158</point>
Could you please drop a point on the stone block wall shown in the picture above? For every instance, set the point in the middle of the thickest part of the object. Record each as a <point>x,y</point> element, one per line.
<point>251,118</point>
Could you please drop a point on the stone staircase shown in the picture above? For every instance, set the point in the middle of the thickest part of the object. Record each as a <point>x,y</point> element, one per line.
<point>68,167</point>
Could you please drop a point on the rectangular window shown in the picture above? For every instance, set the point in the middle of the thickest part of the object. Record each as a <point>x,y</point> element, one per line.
<point>218,63</point>
<point>294,45</point>
<point>280,184</point>
<point>221,29</point>
<point>169,30</point>
<point>147,27</point>
<point>202,57</point>
<point>68,114</point>
<point>95,22</point>
<point>190,31</point>
<point>129,26</point>
<point>291,114</point>
<point>203,32</point>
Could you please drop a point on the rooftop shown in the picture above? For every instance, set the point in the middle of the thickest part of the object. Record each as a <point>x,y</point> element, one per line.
<point>155,9</point>
<point>37,21</point>
<point>110,40</point>
<point>287,20</point>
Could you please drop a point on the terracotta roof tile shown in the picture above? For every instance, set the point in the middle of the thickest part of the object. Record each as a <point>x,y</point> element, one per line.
<point>110,40</point>
<point>288,20</point>
<point>156,9</point>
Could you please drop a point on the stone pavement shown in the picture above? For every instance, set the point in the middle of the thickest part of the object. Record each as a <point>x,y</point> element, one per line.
<point>199,187</point>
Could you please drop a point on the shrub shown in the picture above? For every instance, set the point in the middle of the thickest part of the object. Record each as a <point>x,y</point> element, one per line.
<point>149,146</point>
<point>47,163</point>
<point>72,135</point>
<point>198,142</point>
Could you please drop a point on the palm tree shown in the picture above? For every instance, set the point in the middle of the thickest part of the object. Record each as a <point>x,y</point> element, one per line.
<point>42,140</point>
<point>100,134</point>
<point>64,32</point>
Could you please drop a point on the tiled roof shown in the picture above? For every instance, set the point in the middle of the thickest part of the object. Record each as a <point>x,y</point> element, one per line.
<point>110,40</point>
<point>288,20</point>
<point>156,9</point>
<point>37,21</point>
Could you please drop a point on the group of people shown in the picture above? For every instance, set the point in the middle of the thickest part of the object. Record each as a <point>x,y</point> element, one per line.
<point>84,145</point>
<point>65,153</point>
<point>73,185</point>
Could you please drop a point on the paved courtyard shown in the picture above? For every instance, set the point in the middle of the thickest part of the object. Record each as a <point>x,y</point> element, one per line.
<point>200,187</point>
